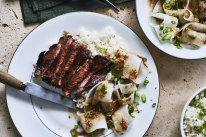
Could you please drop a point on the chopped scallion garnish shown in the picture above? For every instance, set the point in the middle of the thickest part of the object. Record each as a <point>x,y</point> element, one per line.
<point>143,98</point>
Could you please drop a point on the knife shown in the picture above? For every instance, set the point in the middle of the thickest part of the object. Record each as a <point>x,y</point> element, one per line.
<point>36,90</point>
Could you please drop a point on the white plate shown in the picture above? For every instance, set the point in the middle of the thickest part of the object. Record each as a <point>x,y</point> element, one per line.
<point>52,120</point>
<point>185,107</point>
<point>144,18</point>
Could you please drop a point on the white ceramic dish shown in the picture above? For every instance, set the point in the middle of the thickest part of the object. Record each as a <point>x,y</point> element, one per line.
<point>184,109</point>
<point>34,117</point>
<point>143,12</point>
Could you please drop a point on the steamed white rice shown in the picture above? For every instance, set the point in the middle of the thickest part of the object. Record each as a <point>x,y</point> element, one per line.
<point>193,119</point>
<point>103,43</point>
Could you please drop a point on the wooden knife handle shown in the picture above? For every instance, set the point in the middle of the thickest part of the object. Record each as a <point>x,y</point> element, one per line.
<point>8,79</point>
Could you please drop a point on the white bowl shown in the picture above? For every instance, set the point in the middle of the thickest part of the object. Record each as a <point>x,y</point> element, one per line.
<point>184,109</point>
<point>143,12</point>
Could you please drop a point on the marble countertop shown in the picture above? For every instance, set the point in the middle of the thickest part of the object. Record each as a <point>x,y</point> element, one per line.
<point>179,79</point>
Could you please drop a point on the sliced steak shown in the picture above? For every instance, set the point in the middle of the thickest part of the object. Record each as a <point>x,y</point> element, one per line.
<point>54,68</point>
<point>76,78</point>
<point>100,62</point>
<point>46,59</point>
<point>96,78</point>
<point>68,61</point>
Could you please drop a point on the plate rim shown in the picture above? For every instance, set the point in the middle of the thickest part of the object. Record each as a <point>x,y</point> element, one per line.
<point>137,16</point>
<point>79,12</point>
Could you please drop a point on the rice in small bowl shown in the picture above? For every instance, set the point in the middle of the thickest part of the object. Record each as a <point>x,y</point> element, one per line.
<point>193,117</point>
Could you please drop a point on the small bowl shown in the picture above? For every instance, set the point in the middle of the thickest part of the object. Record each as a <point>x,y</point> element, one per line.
<point>185,107</point>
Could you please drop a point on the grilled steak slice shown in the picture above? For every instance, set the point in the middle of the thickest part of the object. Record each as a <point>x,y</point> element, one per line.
<point>45,60</point>
<point>68,61</point>
<point>99,63</point>
<point>76,78</point>
<point>77,65</point>
<point>96,78</point>
<point>54,68</point>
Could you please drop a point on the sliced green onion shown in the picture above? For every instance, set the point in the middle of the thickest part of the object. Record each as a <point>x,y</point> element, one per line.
<point>132,115</point>
<point>87,114</point>
<point>76,126</point>
<point>127,66</point>
<point>173,14</point>
<point>86,105</point>
<point>121,81</point>
<point>114,58</point>
<point>143,98</point>
<point>146,82</point>
<point>201,113</point>
<point>137,85</point>
<point>136,104</point>
<point>105,89</point>
<point>144,59</point>
<point>172,3</point>
<point>167,37</point>
<point>110,77</point>
<point>154,105</point>
<point>103,50</point>
<point>137,95</point>
<point>165,31</point>
<point>177,44</point>
<point>73,134</point>
<point>161,27</point>
<point>133,91</point>
<point>191,36</point>
<point>160,11</point>
<point>173,22</point>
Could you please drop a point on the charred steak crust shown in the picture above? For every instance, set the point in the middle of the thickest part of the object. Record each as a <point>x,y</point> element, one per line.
<point>46,60</point>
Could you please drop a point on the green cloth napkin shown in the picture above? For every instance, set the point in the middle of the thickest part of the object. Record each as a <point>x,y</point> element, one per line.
<point>41,10</point>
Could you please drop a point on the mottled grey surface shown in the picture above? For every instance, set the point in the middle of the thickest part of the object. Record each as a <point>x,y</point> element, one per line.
<point>179,79</point>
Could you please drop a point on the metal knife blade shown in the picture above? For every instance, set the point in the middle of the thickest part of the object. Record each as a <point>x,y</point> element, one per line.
<point>43,93</point>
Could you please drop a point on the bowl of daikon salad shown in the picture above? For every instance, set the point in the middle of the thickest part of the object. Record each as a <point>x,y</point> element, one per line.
<point>193,117</point>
